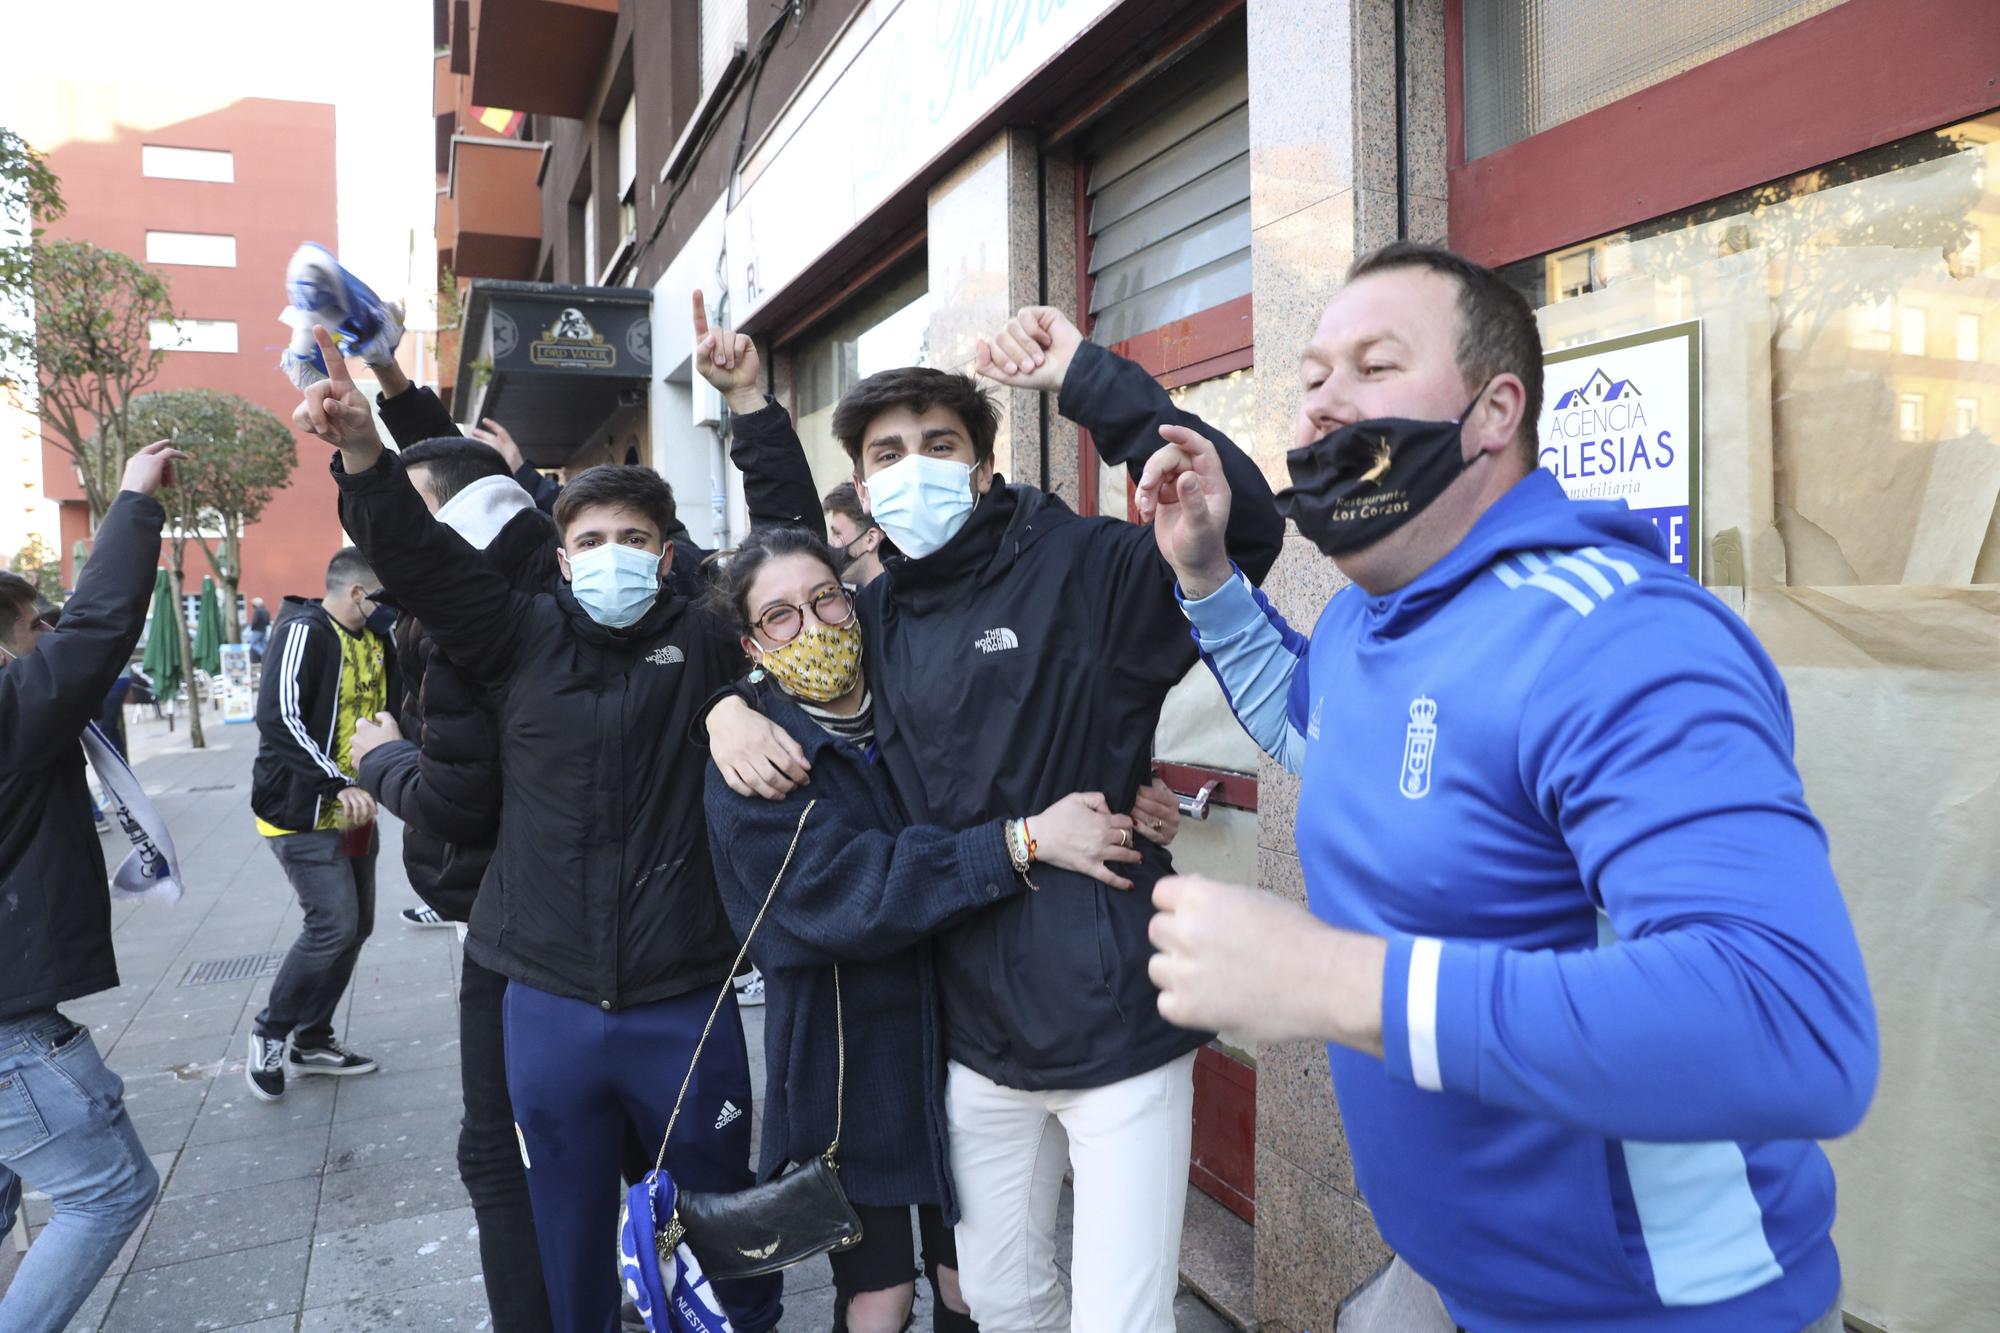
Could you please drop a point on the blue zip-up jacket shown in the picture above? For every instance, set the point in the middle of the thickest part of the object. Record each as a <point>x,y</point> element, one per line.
<point>1623,995</point>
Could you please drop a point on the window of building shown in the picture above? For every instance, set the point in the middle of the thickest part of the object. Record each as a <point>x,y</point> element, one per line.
<point>1533,64</point>
<point>1969,258</point>
<point>1964,416</point>
<point>1910,417</point>
<point>1168,199</point>
<point>1823,274</point>
<point>1914,327</point>
<point>196,248</point>
<point>192,335</point>
<point>885,327</point>
<point>187,164</point>
<point>590,237</point>
<point>628,171</point>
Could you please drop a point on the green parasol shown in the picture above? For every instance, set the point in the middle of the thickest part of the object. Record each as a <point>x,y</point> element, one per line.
<point>208,630</point>
<point>163,641</point>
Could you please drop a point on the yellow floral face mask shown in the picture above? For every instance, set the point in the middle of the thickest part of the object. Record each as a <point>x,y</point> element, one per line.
<point>820,665</point>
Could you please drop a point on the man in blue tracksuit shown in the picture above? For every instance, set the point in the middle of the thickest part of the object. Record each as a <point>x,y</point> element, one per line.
<point>1589,985</point>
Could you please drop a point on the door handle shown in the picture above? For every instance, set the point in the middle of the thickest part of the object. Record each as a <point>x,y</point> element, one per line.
<point>1196,806</point>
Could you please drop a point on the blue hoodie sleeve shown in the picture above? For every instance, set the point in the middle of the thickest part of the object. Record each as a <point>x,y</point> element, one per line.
<point>1259,660</point>
<point>1728,999</point>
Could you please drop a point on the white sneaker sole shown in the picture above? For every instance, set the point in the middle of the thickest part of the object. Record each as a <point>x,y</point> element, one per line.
<point>303,1071</point>
<point>439,924</point>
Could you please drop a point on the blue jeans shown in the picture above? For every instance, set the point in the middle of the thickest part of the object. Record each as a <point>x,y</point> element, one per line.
<point>63,1129</point>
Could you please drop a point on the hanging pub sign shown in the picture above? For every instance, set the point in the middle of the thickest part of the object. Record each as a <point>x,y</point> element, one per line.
<point>1621,420</point>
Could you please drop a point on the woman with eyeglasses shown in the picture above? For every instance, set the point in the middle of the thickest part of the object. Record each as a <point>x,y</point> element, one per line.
<point>864,891</point>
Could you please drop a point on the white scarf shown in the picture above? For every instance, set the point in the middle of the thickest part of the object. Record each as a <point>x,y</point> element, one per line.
<point>478,512</point>
<point>152,868</point>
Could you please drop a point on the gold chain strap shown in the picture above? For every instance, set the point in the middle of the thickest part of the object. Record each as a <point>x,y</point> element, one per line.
<point>729,982</point>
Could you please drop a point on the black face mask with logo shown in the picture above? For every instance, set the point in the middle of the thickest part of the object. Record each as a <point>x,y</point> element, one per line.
<point>1354,487</point>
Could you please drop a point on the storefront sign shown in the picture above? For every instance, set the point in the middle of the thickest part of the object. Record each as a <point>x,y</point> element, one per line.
<point>585,337</point>
<point>900,86</point>
<point>1621,420</point>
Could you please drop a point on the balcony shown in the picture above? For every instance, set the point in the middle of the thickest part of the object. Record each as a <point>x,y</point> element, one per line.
<point>495,206</point>
<point>544,56</point>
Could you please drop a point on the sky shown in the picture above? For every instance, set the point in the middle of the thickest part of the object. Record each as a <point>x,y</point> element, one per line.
<point>161,63</point>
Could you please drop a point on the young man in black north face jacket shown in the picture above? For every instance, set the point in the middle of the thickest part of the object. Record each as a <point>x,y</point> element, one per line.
<point>1017,652</point>
<point>63,1125</point>
<point>600,903</point>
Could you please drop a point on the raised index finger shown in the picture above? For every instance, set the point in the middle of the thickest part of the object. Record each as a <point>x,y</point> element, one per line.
<point>336,368</point>
<point>700,315</point>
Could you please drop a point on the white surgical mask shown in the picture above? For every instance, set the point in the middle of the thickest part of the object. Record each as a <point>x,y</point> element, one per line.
<point>921,502</point>
<point>616,584</point>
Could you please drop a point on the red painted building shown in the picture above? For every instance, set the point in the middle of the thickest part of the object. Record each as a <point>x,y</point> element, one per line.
<point>216,204</point>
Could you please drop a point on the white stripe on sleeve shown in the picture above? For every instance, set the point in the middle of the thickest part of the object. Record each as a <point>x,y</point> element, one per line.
<point>1425,955</point>
<point>288,701</point>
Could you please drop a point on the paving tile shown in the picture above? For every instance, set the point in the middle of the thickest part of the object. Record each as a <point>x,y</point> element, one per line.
<point>458,1306</point>
<point>368,1194</point>
<point>198,1226</point>
<point>167,1024</point>
<point>218,1292</point>
<point>392,1256</point>
<point>166,1131</point>
<point>231,1112</point>
<point>210,1167</point>
<point>431,1049</point>
<point>392,1090</point>
<point>404,1137</point>
<point>171,1056</point>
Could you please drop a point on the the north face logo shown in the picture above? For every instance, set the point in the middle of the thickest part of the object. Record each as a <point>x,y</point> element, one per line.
<point>731,1112</point>
<point>666,656</point>
<point>997,641</point>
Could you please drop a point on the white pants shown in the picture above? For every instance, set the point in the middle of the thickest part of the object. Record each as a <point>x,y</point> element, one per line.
<point>1128,1144</point>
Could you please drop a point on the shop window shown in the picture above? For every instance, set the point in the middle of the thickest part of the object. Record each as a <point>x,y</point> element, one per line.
<point>886,327</point>
<point>1818,276</point>
<point>1910,417</point>
<point>192,335</point>
<point>187,164</point>
<point>1964,416</point>
<point>1533,64</point>
<point>194,248</point>
<point>1913,331</point>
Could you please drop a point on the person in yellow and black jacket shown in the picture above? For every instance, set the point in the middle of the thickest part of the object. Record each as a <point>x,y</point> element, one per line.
<point>325,671</point>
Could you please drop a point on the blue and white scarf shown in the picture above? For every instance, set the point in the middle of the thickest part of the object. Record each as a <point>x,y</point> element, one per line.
<point>672,1295</point>
<point>151,869</point>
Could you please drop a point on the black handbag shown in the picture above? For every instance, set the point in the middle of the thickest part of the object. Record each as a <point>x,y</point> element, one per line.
<point>786,1221</point>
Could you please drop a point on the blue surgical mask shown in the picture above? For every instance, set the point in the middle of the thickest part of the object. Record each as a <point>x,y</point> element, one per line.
<point>921,502</point>
<point>616,584</point>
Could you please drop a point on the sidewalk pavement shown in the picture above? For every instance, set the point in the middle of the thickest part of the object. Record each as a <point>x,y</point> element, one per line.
<point>338,1209</point>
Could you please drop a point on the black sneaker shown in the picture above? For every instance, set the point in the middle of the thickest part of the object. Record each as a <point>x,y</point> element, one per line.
<point>266,1067</point>
<point>423,916</point>
<point>332,1058</point>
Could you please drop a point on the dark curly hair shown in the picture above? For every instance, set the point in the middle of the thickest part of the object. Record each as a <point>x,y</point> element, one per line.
<point>918,388</point>
<point>728,596</point>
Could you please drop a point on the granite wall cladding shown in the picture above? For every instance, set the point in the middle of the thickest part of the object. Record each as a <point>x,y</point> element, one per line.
<point>1324,184</point>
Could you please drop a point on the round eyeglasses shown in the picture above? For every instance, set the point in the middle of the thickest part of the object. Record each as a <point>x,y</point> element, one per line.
<point>782,623</point>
